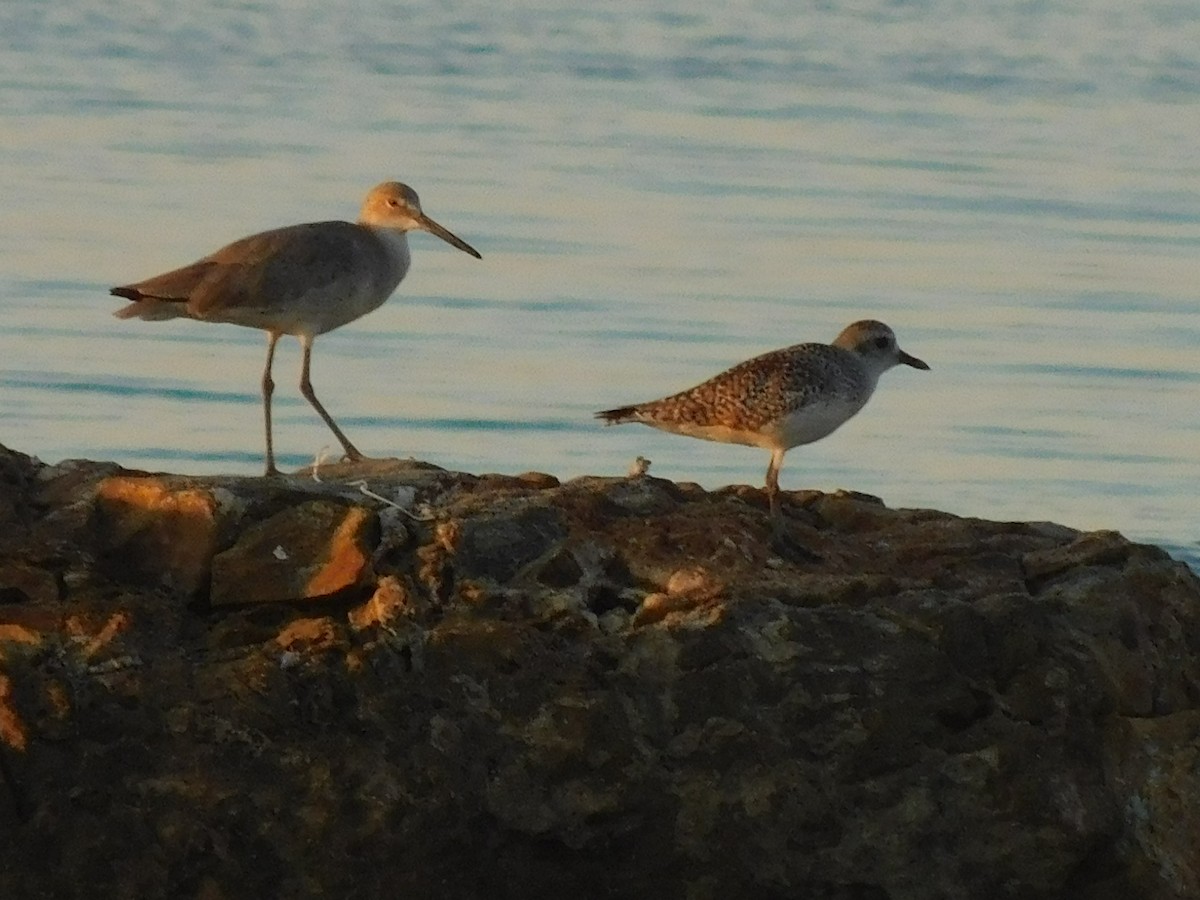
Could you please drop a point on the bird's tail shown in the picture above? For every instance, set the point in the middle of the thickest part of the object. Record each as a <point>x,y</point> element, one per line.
<point>149,309</point>
<point>619,415</point>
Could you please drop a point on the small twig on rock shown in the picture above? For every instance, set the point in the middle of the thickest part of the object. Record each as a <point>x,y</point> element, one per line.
<point>361,484</point>
<point>319,460</point>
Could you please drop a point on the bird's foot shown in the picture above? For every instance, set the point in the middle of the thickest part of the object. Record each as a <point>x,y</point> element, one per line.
<point>352,454</point>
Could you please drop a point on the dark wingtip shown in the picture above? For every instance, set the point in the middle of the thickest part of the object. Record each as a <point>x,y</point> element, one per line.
<point>615,416</point>
<point>127,292</point>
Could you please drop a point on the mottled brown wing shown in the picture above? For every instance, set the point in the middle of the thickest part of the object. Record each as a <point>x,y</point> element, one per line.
<point>745,397</point>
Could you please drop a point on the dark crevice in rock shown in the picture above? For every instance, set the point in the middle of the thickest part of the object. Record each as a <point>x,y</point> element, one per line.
<point>959,719</point>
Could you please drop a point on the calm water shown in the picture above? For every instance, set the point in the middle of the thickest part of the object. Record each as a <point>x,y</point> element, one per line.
<point>659,190</point>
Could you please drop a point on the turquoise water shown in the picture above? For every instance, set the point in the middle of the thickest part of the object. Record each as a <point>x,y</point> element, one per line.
<point>659,190</point>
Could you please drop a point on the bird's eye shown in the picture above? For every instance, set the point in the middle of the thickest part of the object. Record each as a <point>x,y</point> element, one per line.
<point>882,343</point>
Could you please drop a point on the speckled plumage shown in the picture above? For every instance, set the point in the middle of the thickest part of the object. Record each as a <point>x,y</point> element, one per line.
<point>780,399</point>
<point>302,280</point>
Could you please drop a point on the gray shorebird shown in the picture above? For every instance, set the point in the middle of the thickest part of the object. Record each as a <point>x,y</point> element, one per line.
<point>781,399</point>
<point>302,280</point>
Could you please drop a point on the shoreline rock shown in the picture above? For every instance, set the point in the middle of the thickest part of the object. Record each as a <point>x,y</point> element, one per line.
<point>492,686</point>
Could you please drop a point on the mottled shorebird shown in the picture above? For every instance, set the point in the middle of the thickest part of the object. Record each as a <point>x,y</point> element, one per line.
<point>302,280</point>
<point>781,399</point>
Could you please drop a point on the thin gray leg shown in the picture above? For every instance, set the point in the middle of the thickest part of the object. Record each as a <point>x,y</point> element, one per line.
<point>268,388</point>
<point>306,342</point>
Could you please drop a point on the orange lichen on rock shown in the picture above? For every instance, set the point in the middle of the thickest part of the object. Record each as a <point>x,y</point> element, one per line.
<point>307,551</point>
<point>319,633</point>
<point>347,557</point>
<point>117,624</point>
<point>159,533</point>
<point>12,729</point>
<point>18,634</point>
<point>390,600</point>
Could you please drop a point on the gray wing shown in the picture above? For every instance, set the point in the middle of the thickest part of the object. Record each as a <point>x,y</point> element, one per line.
<point>266,271</point>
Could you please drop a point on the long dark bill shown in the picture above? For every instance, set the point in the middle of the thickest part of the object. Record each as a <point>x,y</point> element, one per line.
<point>452,239</point>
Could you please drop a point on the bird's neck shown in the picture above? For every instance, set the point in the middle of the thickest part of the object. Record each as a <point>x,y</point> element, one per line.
<point>395,242</point>
<point>873,370</point>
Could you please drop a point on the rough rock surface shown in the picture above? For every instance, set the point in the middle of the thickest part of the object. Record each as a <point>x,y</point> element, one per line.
<point>239,687</point>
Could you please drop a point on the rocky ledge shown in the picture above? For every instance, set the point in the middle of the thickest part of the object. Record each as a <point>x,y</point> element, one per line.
<point>400,681</point>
